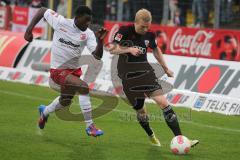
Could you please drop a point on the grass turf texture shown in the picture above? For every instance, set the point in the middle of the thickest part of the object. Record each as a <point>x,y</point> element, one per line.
<point>123,139</point>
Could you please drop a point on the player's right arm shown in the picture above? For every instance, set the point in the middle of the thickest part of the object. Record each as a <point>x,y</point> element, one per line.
<point>119,39</point>
<point>117,49</point>
<point>39,15</point>
<point>51,17</point>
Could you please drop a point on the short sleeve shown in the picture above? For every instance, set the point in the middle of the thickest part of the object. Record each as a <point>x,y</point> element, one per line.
<point>120,35</point>
<point>91,42</point>
<point>53,18</point>
<point>153,43</point>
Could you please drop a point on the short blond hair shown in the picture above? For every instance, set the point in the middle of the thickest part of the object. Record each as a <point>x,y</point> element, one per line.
<point>143,14</point>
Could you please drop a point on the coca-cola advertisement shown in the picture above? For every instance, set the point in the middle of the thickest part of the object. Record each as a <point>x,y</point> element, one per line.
<point>193,42</point>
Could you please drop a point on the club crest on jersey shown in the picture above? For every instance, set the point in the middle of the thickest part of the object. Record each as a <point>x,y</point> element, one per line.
<point>118,37</point>
<point>83,36</point>
<point>146,43</point>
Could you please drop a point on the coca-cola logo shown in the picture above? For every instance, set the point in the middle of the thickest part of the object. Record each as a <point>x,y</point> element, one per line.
<point>197,44</point>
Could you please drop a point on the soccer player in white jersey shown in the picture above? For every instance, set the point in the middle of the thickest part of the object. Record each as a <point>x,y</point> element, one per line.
<point>70,37</point>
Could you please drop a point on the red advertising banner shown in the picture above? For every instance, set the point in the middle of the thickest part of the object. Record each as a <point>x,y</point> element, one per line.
<point>192,42</point>
<point>5,14</point>
<point>10,46</point>
<point>22,16</point>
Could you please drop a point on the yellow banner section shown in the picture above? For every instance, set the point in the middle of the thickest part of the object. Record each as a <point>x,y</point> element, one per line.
<point>69,11</point>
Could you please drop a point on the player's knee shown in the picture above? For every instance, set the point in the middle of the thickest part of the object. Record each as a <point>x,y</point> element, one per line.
<point>142,115</point>
<point>83,89</point>
<point>65,100</point>
<point>138,105</point>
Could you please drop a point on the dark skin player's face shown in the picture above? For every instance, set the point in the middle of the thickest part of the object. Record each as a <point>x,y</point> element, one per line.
<point>82,22</point>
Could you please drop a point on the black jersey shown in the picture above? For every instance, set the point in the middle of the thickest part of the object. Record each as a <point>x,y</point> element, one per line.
<point>127,37</point>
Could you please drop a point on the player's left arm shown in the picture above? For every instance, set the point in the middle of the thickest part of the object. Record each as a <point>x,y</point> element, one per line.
<point>159,56</point>
<point>95,44</point>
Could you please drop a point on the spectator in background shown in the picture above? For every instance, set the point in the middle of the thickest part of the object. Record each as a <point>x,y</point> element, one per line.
<point>183,5</point>
<point>226,14</point>
<point>22,3</point>
<point>111,10</point>
<point>237,3</point>
<point>36,4</point>
<point>177,21</point>
<point>5,2</point>
<point>207,6</point>
<point>137,5</point>
<point>198,12</point>
<point>230,47</point>
<point>99,8</point>
<point>62,8</point>
<point>161,38</point>
<point>157,10</point>
<point>173,6</point>
<point>126,10</point>
<point>130,7</point>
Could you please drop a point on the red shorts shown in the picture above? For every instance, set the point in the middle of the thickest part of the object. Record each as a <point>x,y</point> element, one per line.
<point>59,75</point>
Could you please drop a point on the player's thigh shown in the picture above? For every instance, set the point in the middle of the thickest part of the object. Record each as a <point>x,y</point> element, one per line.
<point>136,99</point>
<point>53,85</point>
<point>74,85</point>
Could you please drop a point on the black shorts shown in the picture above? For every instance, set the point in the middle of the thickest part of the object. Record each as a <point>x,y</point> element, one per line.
<point>137,87</point>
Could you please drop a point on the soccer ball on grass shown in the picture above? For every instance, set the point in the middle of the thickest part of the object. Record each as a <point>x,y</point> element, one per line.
<point>180,145</point>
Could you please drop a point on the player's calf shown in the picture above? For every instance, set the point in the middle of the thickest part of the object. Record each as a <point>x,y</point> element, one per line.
<point>143,120</point>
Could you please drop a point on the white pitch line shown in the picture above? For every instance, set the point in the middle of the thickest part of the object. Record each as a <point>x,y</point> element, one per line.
<point>122,111</point>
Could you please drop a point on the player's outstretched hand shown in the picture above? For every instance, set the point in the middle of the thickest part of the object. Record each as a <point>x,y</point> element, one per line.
<point>169,73</point>
<point>101,33</point>
<point>134,51</point>
<point>28,36</point>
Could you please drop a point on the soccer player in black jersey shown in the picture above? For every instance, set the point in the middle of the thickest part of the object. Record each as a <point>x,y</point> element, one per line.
<point>137,75</point>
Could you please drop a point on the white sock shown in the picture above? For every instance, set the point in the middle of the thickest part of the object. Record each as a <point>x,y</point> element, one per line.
<point>86,108</point>
<point>52,106</point>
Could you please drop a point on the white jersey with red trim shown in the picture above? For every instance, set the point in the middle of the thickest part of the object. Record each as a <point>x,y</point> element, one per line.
<point>68,41</point>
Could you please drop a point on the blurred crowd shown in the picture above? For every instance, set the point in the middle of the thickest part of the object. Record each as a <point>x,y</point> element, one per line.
<point>201,10</point>
<point>61,5</point>
<point>25,3</point>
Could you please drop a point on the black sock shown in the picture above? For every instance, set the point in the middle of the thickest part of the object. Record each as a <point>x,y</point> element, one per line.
<point>171,120</point>
<point>143,121</point>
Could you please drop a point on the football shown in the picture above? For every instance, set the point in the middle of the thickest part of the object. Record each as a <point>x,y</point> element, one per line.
<point>180,145</point>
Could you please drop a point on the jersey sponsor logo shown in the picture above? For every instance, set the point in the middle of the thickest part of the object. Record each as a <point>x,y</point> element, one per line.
<point>63,29</point>
<point>68,43</point>
<point>83,36</point>
<point>200,102</point>
<point>143,50</point>
<point>215,78</point>
<point>118,37</point>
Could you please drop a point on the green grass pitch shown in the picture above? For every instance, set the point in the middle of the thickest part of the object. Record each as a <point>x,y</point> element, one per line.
<point>20,138</point>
